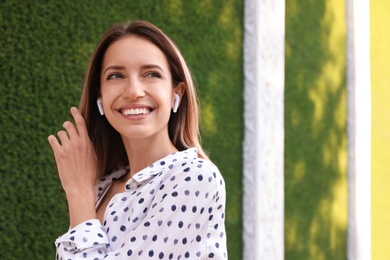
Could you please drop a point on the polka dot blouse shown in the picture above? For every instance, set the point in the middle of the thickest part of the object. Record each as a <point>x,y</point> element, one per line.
<point>173,209</point>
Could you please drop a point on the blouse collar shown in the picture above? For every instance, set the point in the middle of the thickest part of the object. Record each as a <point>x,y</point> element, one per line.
<point>158,166</point>
<point>148,172</point>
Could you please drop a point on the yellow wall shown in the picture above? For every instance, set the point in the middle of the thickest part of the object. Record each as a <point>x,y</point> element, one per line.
<point>380,73</point>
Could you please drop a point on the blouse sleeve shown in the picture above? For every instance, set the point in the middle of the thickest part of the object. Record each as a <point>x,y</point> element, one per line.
<point>184,220</point>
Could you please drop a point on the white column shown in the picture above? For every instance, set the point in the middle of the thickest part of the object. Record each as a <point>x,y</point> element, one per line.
<point>263,215</point>
<point>359,129</point>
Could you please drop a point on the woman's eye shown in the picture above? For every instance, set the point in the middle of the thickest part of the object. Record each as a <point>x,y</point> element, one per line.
<point>114,76</point>
<point>153,75</point>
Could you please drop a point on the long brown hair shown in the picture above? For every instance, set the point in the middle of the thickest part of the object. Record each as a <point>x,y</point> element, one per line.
<point>183,126</point>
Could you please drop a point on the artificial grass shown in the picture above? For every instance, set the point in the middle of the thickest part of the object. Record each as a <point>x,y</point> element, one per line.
<point>45,46</point>
<point>315,130</point>
<point>380,178</point>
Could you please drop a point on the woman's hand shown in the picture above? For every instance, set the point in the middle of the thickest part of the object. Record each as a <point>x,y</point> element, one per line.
<point>77,167</point>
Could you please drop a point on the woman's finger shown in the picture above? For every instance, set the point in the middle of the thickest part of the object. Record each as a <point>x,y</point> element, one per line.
<point>71,129</point>
<point>63,136</point>
<point>55,145</point>
<point>80,122</point>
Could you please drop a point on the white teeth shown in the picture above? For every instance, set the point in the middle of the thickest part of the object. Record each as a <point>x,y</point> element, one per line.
<point>135,111</point>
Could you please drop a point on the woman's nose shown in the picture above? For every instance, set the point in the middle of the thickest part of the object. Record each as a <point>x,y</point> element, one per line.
<point>134,89</point>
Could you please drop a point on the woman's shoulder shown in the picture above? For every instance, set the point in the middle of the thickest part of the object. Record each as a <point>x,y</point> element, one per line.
<point>190,157</point>
<point>194,167</point>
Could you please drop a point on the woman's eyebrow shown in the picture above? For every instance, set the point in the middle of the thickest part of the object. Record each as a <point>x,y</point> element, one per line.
<point>114,67</point>
<point>146,66</point>
<point>152,66</point>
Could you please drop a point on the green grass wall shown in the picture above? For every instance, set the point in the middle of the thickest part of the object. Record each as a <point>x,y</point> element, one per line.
<point>315,130</point>
<point>44,50</point>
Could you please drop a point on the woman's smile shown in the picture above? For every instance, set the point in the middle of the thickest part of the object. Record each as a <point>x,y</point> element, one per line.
<point>136,113</point>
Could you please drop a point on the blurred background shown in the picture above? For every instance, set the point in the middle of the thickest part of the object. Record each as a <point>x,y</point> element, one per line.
<point>44,50</point>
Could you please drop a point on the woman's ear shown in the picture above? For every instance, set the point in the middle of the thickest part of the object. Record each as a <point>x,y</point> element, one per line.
<point>178,94</point>
<point>180,88</point>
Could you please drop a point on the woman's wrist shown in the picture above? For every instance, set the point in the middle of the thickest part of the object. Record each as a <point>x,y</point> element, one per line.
<point>81,205</point>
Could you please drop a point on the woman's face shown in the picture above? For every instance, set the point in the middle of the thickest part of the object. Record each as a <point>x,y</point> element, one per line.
<point>136,89</point>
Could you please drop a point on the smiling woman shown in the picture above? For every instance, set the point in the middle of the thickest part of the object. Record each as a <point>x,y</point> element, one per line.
<point>137,181</point>
<point>136,78</point>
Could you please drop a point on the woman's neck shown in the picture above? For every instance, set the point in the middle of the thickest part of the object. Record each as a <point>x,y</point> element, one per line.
<point>143,152</point>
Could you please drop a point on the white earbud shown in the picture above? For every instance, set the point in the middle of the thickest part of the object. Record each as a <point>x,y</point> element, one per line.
<point>100,106</point>
<point>176,104</point>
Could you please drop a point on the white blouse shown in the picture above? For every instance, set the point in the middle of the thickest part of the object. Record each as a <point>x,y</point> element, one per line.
<point>173,209</point>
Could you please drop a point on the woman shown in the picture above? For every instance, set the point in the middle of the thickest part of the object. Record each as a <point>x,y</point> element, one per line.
<point>137,181</point>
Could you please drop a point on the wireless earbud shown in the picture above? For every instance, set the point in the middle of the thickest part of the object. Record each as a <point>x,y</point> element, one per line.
<point>100,106</point>
<point>176,104</point>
